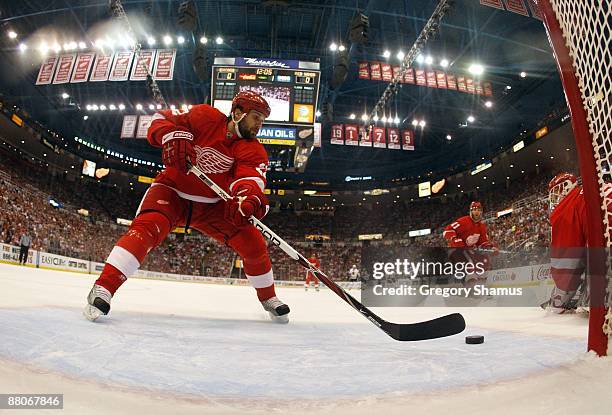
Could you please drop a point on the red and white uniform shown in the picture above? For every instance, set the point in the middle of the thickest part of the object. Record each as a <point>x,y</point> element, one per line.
<point>310,276</point>
<point>175,198</point>
<point>568,240</point>
<point>465,232</point>
<point>224,157</point>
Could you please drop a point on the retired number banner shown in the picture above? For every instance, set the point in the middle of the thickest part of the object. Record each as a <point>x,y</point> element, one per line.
<point>164,65</point>
<point>82,67</point>
<point>64,68</point>
<point>378,133</point>
<point>120,70</point>
<point>101,67</point>
<point>393,136</point>
<point>408,140</point>
<point>143,65</point>
<point>45,74</point>
<point>337,134</point>
<point>351,133</point>
<point>365,137</point>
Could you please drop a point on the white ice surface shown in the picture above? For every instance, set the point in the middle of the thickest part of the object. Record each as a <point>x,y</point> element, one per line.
<point>172,347</point>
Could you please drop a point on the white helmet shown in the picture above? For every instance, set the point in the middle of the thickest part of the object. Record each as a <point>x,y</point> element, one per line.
<point>559,187</point>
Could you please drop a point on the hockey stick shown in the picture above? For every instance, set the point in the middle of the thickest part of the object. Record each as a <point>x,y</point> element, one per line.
<point>431,329</point>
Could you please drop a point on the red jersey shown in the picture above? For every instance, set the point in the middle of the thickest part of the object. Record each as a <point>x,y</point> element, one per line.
<point>465,232</point>
<point>568,240</point>
<point>315,261</point>
<point>223,156</point>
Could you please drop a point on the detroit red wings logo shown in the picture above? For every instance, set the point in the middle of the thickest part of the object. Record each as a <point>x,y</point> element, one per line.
<point>210,160</point>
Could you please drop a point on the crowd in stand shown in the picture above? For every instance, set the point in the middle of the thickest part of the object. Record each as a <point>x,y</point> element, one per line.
<point>24,197</point>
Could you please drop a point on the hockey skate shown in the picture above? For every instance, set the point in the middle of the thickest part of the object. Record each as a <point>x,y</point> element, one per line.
<point>98,303</point>
<point>279,311</point>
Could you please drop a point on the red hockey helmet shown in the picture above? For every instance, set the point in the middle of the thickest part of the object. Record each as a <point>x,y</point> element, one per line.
<point>559,187</point>
<point>250,100</point>
<point>475,205</point>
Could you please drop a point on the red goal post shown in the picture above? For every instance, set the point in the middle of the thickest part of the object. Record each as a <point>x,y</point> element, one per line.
<point>579,32</point>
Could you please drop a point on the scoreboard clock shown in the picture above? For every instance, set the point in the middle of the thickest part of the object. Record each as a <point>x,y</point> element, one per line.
<point>291,87</point>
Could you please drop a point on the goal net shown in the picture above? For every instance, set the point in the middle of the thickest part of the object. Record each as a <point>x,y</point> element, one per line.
<point>580,35</point>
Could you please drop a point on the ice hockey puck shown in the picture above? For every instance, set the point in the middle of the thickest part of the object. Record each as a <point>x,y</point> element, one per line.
<point>474,339</point>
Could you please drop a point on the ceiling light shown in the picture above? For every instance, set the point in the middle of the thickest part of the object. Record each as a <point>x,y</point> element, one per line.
<point>121,107</point>
<point>139,106</point>
<point>375,118</point>
<point>57,48</point>
<point>88,107</point>
<point>471,118</point>
<point>23,47</point>
<point>449,137</point>
<point>444,63</point>
<point>508,87</point>
<point>476,69</point>
<point>65,95</point>
<point>428,60</point>
<point>383,119</point>
<point>341,48</point>
<point>85,117</point>
<point>364,117</point>
<point>420,59</point>
<point>82,45</point>
<point>415,123</point>
<point>167,40</point>
<point>112,107</point>
<point>488,104</point>
<point>523,74</point>
<point>400,55</point>
<point>386,54</point>
<point>151,40</point>
<point>352,116</point>
<point>12,34</point>
<point>159,106</point>
<point>102,107</point>
<point>180,40</point>
<point>94,107</point>
<point>203,40</point>
<point>219,40</point>
<point>422,123</point>
<point>397,120</point>
<point>151,106</point>
<point>173,107</point>
<point>333,47</point>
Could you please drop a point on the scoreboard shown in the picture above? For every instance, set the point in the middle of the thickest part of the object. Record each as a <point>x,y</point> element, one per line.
<point>291,87</point>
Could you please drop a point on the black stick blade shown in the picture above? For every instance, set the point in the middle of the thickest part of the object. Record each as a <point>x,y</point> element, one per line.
<point>432,329</point>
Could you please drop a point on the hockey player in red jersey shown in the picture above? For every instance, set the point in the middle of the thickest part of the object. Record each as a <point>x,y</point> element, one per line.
<point>310,277</point>
<point>568,239</point>
<point>469,232</point>
<point>225,148</point>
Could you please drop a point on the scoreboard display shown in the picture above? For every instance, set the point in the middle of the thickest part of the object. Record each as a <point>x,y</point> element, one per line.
<point>291,87</point>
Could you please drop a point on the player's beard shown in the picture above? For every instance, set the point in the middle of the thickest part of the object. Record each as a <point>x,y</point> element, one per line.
<point>246,133</point>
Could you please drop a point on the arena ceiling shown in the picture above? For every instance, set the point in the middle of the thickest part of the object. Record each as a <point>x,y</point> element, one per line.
<point>505,43</point>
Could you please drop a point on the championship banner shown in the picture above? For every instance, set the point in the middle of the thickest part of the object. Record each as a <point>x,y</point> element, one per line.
<point>441,79</point>
<point>64,68</point>
<point>101,68</point>
<point>493,3</point>
<point>337,134</point>
<point>364,70</point>
<point>396,72</point>
<point>420,77</point>
<point>317,135</point>
<point>365,137</point>
<point>143,65</point>
<point>82,67</point>
<point>394,139</point>
<point>431,79</point>
<point>407,140</point>
<point>120,70</point>
<point>478,87</point>
<point>128,128</point>
<point>409,76</point>
<point>488,89</point>
<point>164,65</point>
<point>451,82</point>
<point>378,134</point>
<point>144,122</point>
<point>351,133</point>
<point>387,73</point>
<point>535,9</point>
<point>469,83</point>
<point>375,73</point>
<point>516,6</point>
<point>45,74</point>
<point>461,84</point>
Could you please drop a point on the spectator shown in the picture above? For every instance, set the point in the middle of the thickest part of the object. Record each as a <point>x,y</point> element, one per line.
<point>24,247</point>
